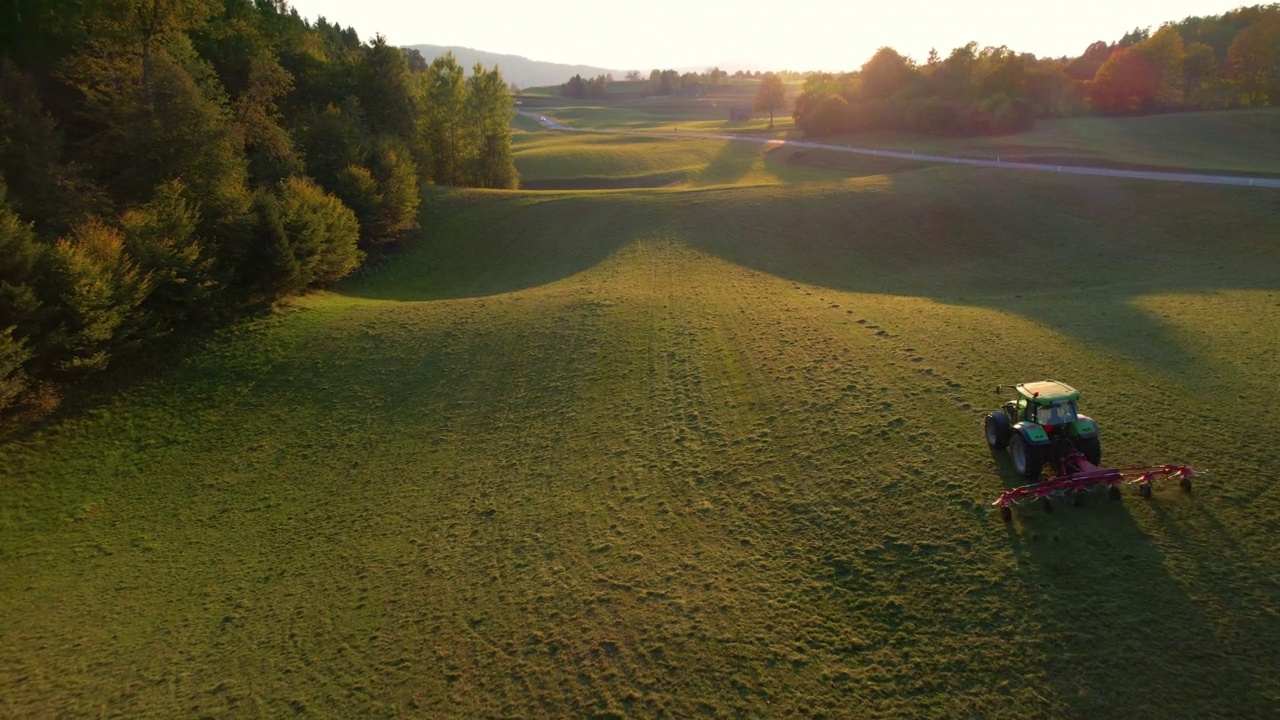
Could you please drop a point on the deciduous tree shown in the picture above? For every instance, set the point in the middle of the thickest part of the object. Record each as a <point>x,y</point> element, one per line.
<point>1254,62</point>
<point>771,96</point>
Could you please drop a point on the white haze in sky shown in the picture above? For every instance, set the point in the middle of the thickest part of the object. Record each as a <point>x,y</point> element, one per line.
<point>736,34</point>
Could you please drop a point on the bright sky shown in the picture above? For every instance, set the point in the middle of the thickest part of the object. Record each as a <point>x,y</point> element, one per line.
<point>776,35</point>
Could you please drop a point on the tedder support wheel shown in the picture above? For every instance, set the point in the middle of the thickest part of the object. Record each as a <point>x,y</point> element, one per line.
<point>1114,492</point>
<point>997,430</point>
<point>1077,497</point>
<point>1185,484</point>
<point>1145,489</point>
<point>1006,513</point>
<point>1047,504</point>
<point>1027,459</point>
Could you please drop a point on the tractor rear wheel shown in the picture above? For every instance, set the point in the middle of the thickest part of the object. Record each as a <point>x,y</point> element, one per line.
<point>1092,449</point>
<point>997,429</point>
<point>1027,459</point>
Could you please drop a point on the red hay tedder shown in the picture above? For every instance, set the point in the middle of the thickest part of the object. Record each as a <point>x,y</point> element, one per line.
<point>1041,425</point>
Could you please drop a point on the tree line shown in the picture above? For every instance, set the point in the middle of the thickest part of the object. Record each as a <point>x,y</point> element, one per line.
<point>165,163</point>
<point>1223,61</point>
<point>660,83</point>
<point>580,88</point>
<point>671,82</point>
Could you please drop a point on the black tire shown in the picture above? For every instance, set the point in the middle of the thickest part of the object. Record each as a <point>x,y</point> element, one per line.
<point>1027,458</point>
<point>1091,448</point>
<point>1006,513</point>
<point>1185,484</point>
<point>1077,498</point>
<point>1145,490</point>
<point>1047,504</point>
<point>1113,492</point>
<point>996,427</point>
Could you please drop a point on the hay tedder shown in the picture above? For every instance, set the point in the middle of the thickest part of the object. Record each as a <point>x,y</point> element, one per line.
<point>1041,425</point>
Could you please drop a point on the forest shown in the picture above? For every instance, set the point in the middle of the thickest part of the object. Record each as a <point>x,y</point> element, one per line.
<point>1200,63</point>
<point>167,164</point>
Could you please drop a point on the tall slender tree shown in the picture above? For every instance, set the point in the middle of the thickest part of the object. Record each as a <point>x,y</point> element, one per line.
<point>447,131</point>
<point>490,107</point>
<point>771,96</point>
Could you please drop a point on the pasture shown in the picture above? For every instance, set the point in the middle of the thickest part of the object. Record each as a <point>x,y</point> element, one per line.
<point>695,430</point>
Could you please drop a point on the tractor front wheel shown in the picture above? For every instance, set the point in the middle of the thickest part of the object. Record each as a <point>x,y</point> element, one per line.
<point>997,429</point>
<point>1027,459</point>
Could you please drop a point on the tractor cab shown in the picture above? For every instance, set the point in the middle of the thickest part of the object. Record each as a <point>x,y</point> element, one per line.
<point>1048,402</point>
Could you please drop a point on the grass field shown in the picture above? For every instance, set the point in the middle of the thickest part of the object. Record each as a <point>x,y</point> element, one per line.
<point>706,449</point>
<point>674,114</point>
<point>567,161</point>
<point>1236,141</point>
<point>1226,142</point>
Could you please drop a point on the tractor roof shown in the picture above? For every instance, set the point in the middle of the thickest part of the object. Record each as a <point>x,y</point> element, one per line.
<point>1047,392</point>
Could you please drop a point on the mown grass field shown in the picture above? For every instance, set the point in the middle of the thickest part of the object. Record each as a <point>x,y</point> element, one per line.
<point>1231,142</point>
<point>671,115</point>
<point>705,449</point>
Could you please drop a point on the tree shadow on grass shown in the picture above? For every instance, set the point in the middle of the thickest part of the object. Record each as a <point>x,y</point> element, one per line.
<point>482,244</point>
<point>731,163</point>
<point>1072,254</point>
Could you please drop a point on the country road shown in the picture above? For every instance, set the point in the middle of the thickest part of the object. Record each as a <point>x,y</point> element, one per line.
<point>1202,179</point>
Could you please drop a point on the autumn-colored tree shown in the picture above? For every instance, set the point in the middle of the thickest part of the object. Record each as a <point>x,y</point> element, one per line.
<point>1200,70</point>
<point>885,74</point>
<point>771,96</point>
<point>19,306</point>
<point>1166,57</point>
<point>1125,84</point>
<point>96,288</point>
<point>1253,62</point>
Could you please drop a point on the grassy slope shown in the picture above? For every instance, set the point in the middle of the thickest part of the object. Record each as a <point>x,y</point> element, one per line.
<point>1226,142</point>
<point>707,449</point>
<point>1235,141</point>
<point>587,161</point>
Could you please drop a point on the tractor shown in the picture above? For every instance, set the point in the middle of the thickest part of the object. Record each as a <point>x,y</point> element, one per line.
<point>1042,425</point>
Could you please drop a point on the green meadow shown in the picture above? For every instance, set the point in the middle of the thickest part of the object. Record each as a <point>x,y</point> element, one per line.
<point>1240,142</point>
<point>689,428</point>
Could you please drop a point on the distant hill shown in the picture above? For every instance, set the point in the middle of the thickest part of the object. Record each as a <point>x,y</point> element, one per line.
<point>516,69</point>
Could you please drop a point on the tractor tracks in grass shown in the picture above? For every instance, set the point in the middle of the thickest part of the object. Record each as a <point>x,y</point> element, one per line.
<point>904,354</point>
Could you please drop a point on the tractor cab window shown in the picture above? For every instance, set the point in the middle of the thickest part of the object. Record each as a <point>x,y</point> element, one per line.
<point>1022,408</point>
<point>1059,413</point>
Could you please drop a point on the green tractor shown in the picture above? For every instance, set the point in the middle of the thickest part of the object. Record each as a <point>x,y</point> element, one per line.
<point>1041,424</point>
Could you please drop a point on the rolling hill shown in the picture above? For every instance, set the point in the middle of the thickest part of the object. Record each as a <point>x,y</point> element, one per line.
<point>516,69</point>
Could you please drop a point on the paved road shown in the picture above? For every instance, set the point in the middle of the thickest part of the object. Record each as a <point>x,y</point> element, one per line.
<point>554,124</point>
